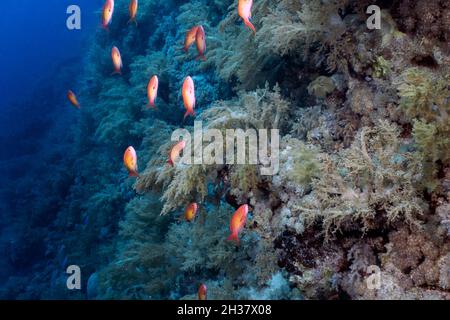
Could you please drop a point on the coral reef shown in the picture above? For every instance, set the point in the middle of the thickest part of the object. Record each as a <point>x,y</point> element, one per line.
<point>363,179</point>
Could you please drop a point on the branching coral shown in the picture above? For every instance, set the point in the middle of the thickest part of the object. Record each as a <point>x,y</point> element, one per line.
<point>425,98</point>
<point>300,162</point>
<point>135,272</point>
<point>424,18</point>
<point>261,109</point>
<point>423,95</point>
<point>374,179</point>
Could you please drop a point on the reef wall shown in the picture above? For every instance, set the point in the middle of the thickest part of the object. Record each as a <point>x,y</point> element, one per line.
<point>364,173</point>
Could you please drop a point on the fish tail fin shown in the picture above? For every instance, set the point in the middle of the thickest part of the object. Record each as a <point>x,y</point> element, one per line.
<point>201,56</point>
<point>151,105</point>
<point>132,20</point>
<point>105,27</point>
<point>134,174</point>
<point>188,113</point>
<point>233,237</point>
<point>170,162</point>
<point>250,25</point>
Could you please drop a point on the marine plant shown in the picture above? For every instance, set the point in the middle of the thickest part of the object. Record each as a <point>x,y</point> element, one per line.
<point>370,183</point>
<point>424,98</point>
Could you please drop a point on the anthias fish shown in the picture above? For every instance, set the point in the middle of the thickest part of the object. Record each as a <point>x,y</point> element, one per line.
<point>202,292</point>
<point>152,91</point>
<point>130,162</point>
<point>133,9</point>
<point>238,221</point>
<point>200,41</point>
<point>107,13</point>
<point>117,60</point>
<point>188,93</point>
<point>175,152</point>
<point>190,38</point>
<point>73,99</point>
<point>245,12</point>
<point>190,212</point>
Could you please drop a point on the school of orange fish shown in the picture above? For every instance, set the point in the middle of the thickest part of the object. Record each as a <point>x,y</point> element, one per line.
<point>195,34</point>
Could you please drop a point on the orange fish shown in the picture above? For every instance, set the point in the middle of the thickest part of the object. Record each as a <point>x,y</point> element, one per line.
<point>245,12</point>
<point>175,152</point>
<point>152,91</point>
<point>73,99</point>
<point>107,13</point>
<point>191,36</point>
<point>237,223</point>
<point>188,93</point>
<point>130,162</point>
<point>117,60</point>
<point>202,290</point>
<point>190,212</point>
<point>132,9</point>
<point>200,41</point>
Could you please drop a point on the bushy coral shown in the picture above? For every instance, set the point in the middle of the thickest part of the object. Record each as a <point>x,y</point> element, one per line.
<point>354,156</point>
<point>425,98</point>
<point>370,183</point>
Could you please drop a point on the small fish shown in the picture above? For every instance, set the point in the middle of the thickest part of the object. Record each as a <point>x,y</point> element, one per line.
<point>190,38</point>
<point>190,212</point>
<point>237,223</point>
<point>130,162</point>
<point>175,152</point>
<point>245,12</point>
<point>107,13</point>
<point>73,99</point>
<point>188,93</point>
<point>200,41</point>
<point>132,9</point>
<point>202,291</point>
<point>117,60</point>
<point>152,91</point>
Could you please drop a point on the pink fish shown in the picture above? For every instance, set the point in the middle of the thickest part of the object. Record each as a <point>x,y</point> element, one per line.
<point>175,152</point>
<point>107,13</point>
<point>245,12</point>
<point>200,41</point>
<point>152,91</point>
<point>190,38</point>
<point>132,10</point>
<point>117,60</point>
<point>238,221</point>
<point>188,93</point>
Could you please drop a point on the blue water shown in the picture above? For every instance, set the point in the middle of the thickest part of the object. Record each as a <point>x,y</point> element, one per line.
<point>40,59</point>
<point>37,47</point>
